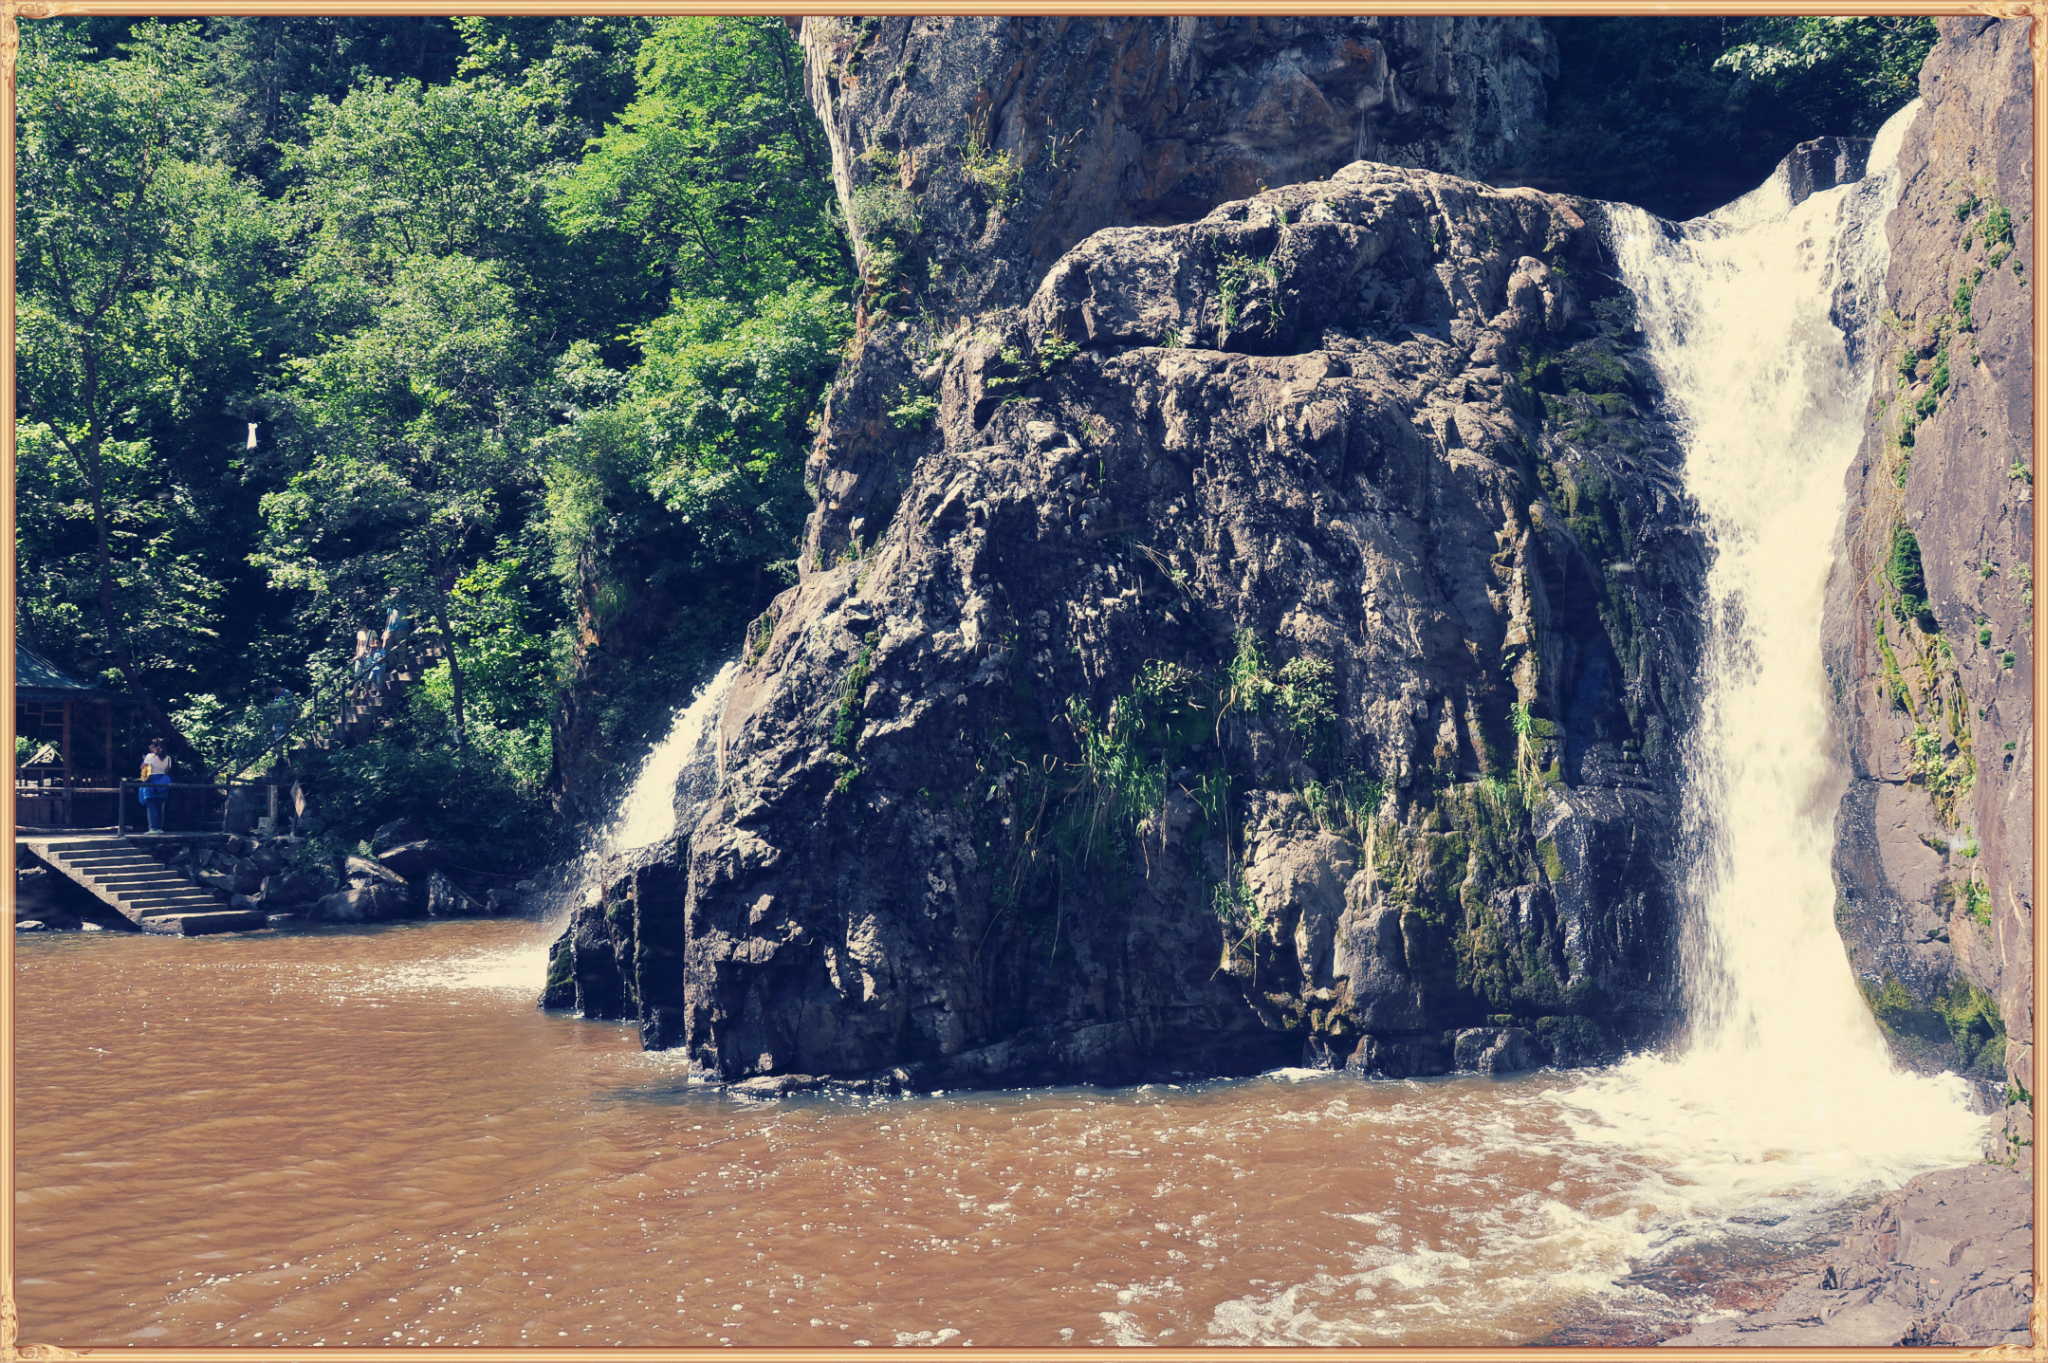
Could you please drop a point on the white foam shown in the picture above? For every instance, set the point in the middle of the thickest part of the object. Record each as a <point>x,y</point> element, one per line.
<point>517,969</point>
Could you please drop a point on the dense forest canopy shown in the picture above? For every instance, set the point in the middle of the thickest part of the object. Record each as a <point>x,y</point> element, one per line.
<point>533,318</point>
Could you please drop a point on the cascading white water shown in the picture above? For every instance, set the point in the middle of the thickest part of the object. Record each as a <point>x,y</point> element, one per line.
<point>682,770</point>
<point>1787,1087</point>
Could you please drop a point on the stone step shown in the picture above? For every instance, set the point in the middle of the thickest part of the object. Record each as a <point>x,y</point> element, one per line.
<point>126,877</point>
<point>168,885</point>
<point>143,915</point>
<point>201,924</point>
<point>168,899</point>
<point>157,890</point>
<point>114,868</point>
<point>149,888</point>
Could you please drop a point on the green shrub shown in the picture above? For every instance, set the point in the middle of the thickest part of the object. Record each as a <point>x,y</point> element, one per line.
<point>915,411</point>
<point>1237,274</point>
<point>1908,578</point>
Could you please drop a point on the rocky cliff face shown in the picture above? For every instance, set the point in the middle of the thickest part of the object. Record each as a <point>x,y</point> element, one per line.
<point>972,153</point>
<point>1929,639</point>
<point>1260,637</point>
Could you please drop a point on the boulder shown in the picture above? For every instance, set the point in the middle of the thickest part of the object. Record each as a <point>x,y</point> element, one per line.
<point>370,904</point>
<point>1498,1050</point>
<point>295,887</point>
<point>271,856</point>
<point>505,903</point>
<point>446,900</point>
<point>395,833</point>
<point>360,872</point>
<point>414,859</point>
<point>1401,1057</point>
<point>1235,657</point>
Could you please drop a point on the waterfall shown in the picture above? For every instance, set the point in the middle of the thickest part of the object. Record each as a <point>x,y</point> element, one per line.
<point>680,774</point>
<point>1736,310</point>
<point>675,779</point>
<point>1787,1086</point>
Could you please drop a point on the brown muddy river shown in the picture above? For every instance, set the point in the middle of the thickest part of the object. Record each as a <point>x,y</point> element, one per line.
<point>371,1136</point>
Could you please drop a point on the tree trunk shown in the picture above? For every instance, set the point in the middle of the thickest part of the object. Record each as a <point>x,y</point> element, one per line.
<point>454,675</point>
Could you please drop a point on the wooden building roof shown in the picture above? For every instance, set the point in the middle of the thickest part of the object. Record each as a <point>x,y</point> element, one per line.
<point>37,678</point>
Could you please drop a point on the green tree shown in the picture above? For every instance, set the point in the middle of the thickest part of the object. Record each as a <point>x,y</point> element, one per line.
<point>1847,73</point>
<point>412,436</point>
<point>576,73</point>
<point>718,169</point>
<point>140,264</point>
<point>399,171</point>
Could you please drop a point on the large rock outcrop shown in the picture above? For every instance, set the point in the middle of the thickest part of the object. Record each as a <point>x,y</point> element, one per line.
<point>1268,638</point>
<point>971,153</point>
<point>1928,636</point>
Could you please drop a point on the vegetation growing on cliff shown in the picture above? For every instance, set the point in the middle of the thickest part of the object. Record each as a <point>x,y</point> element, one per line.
<point>1963,1020</point>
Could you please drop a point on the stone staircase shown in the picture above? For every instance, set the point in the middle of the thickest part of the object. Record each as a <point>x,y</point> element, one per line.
<point>364,715</point>
<point>142,889</point>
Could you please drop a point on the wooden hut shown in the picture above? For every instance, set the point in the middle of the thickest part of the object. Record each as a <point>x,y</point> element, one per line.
<point>70,770</point>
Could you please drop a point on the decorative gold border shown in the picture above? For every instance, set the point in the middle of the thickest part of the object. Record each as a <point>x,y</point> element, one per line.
<point>11,11</point>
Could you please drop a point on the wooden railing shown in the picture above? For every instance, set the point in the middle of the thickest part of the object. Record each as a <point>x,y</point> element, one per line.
<point>215,807</point>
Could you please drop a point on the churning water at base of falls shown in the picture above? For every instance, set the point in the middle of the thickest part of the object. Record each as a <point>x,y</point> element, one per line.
<point>369,1135</point>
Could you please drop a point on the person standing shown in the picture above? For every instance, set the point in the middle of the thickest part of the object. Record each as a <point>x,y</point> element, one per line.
<point>156,792</point>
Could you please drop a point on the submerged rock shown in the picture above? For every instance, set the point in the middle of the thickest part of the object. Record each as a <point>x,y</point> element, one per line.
<point>374,903</point>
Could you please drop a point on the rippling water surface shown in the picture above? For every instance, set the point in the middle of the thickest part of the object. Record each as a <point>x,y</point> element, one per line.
<point>369,1135</point>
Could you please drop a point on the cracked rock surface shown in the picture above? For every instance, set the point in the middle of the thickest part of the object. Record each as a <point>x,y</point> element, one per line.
<point>1928,636</point>
<point>1947,1259</point>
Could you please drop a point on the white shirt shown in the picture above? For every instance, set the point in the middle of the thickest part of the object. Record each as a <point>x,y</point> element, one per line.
<point>154,764</point>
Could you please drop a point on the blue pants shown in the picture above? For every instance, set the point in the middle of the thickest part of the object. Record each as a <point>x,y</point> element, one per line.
<point>153,802</point>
